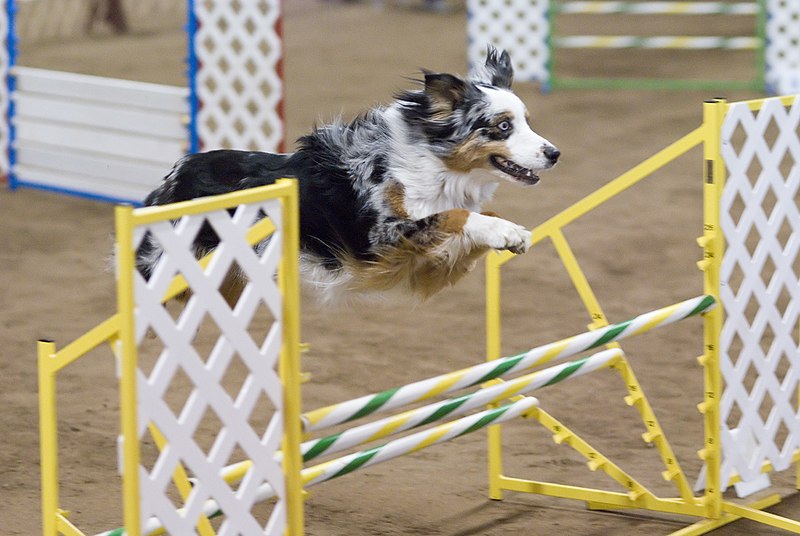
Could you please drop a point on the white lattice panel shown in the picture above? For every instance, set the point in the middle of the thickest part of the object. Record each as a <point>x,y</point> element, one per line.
<point>760,360</point>
<point>518,26</point>
<point>783,47</point>
<point>212,387</point>
<point>239,50</point>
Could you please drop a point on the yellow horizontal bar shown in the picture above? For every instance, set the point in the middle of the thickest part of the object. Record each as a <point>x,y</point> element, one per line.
<point>103,332</point>
<point>757,104</point>
<point>611,498</point>
<point>145,215</point>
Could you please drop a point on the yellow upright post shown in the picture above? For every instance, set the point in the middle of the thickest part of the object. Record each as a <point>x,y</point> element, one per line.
<point>713,247</point>
<point>493,349</point>
<point>290,361</point>
<point>128,410</point>
<point>48,437</point>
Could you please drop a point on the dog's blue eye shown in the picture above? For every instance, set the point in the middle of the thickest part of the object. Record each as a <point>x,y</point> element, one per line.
<point>504,126</point>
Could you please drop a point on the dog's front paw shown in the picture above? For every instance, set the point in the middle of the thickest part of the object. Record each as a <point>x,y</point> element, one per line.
<point>516,239</point>
<point>521,243</point>
<point>497,233</point>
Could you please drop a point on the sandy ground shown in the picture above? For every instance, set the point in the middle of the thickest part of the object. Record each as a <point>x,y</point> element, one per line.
<point>638,253</point>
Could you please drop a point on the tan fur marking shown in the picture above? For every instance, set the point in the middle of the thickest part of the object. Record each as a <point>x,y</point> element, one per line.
<point>491,214</point>
<point>396,197</point>
<point>474,153</point>
<point>453,221</point>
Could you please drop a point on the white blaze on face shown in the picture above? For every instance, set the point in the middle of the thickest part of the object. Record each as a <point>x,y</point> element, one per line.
<point>525,147</point>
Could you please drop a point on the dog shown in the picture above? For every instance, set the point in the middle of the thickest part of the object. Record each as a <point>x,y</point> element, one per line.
<point>390,202</point>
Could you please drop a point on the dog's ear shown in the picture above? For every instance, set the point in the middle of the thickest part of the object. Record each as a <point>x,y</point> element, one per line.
<point>497,71</point>
<point>445,91</point>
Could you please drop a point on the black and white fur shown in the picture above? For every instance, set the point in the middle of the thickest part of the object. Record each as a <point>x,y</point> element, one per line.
<point>391,201</point>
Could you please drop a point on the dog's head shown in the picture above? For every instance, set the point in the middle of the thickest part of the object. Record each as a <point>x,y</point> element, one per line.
<point>479,123</point>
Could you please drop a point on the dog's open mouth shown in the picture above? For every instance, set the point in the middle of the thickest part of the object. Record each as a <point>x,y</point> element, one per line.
<point>508,167</point>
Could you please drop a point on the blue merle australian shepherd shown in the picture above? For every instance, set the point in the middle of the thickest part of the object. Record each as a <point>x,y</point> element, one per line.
<point>391,201</point>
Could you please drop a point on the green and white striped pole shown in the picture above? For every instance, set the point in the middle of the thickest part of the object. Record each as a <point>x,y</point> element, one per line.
<point>478,374</point>
<point>359,460</point>
<point>452,407</point>
<point>372,431</point>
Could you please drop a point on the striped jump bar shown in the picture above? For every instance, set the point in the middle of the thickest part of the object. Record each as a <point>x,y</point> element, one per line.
<point>478,374</point>
<point>658,42</point>
<point>452,407</point>
<point>657,8</point>
<point>368,432</point>
<point>358,460</point>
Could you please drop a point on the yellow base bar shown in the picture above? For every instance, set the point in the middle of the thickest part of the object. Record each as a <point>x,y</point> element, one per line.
<point>707,525</point>
<point>603,499</point>
<point>608,500</point>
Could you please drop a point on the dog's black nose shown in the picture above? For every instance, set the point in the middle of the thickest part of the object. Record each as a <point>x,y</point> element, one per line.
<point>552,154</point>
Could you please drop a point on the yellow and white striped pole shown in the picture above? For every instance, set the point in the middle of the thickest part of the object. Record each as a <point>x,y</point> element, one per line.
<point>425,389</point>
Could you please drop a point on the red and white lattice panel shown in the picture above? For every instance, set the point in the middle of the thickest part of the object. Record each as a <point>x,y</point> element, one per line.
<point>239,50</point>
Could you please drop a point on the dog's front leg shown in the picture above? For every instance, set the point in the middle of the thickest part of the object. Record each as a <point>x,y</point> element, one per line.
<point>494,232</point>
<point>479,230</point>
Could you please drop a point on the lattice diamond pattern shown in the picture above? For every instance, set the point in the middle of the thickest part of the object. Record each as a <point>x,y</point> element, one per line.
<point>760,291</point>
<point>518,26</point>
<point>232,406</point>
<point>239,85</point>
<point>783,47</point>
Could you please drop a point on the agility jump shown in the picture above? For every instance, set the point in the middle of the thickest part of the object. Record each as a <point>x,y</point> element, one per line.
<point>203,477</point>
<point>55,128</point>
<point>180,455</point>
<point>323,418</point>
<point>532,31</point>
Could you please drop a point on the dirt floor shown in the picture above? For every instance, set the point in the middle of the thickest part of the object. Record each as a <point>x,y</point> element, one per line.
<point>638,252</point>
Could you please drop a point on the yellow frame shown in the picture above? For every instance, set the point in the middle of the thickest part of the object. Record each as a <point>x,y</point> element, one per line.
<point>117,330</point>
<point>711,506</point>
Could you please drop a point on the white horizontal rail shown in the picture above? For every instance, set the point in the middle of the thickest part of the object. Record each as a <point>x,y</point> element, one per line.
<point>96,142</point>
<point>94,135</point>
<point>99,89</point>
<point>59,180</point>
<point>156,123</point>
<point>100,167</point>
